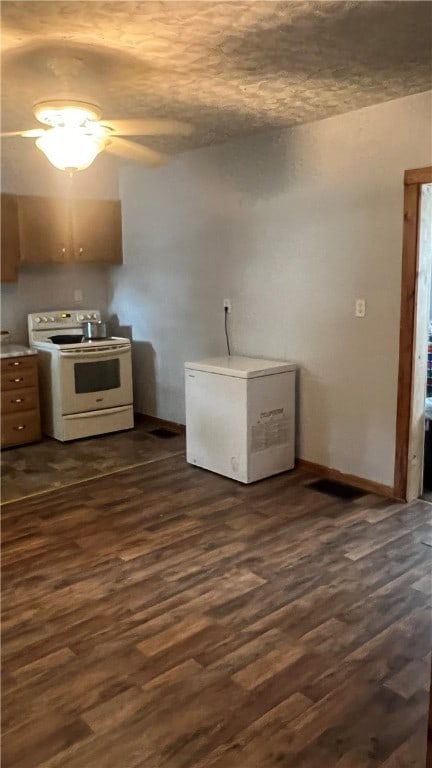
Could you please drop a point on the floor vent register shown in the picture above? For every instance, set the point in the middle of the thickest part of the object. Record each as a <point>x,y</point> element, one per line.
<point>163,432</point>
<point>337,490</point>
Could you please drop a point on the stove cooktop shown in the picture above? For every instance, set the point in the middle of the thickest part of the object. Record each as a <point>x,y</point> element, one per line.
<point>75,339</point>
<point>87,344</point>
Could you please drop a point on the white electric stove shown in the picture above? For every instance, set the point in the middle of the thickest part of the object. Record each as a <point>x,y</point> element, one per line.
<point>86,386</point>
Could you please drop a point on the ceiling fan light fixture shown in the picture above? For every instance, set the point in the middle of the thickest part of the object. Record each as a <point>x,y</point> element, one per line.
<point>74,134</point>
<point>70,149</point>
<point>66,113</point>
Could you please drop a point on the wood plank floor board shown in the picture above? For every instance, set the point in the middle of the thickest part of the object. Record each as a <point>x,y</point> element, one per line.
<point>411,753</point>
<point>378,659</point>
<point>406,681</point>
<point>35,742</point>
<point>166,617</point>
<point>384,738</point>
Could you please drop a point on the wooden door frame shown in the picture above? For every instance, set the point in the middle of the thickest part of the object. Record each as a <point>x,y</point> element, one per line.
<point>413,180</point>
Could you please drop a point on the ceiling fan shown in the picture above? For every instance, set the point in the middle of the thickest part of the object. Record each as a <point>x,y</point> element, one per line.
<point>75,134</point>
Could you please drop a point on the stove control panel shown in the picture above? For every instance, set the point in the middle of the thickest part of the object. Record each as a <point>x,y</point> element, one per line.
<point>61,319</point>
<point>44,319</point>
<point>89,316</point>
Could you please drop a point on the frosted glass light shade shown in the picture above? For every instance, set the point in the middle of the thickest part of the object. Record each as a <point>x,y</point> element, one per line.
<point>70,148</point>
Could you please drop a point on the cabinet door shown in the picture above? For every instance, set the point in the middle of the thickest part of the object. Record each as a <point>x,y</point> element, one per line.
<point>97,231</point>
<point>44,229</point>
<point>10,250</point>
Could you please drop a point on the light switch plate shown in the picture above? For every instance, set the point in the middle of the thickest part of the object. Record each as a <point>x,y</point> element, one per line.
<point>77,294</point>
<point>360,308</point>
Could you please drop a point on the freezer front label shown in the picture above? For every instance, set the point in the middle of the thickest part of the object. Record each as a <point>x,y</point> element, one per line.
<point>271,430</point>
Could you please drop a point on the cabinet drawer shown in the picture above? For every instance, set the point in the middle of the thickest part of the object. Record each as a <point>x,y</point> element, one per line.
<point>19,378</point>
<point>18,400</point>
<point>13,364</point>
<point>18,428</point>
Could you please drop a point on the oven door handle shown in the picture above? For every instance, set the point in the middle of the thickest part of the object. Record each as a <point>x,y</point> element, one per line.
<point>94,355</point>
<point>93,414</point>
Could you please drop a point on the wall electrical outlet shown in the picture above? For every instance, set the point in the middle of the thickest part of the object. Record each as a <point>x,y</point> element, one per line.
<point>360,308</point>
<point>227,305</point>
<point>77,294</point>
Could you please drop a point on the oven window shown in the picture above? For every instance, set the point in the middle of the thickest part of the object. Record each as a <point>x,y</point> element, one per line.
<point>97,376</point>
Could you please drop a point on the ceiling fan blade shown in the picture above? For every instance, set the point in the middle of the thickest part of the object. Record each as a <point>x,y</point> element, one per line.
<point>136,152</point>
<point>148,127</point>
<point>33,133</point>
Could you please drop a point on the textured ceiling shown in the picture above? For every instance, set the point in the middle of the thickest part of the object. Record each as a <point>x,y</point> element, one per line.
<point>229,68</point>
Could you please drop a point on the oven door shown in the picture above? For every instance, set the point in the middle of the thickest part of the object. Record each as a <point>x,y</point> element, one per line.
<point>93,379</point>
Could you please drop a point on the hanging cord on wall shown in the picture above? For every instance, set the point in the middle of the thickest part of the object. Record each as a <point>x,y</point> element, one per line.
<point>226,330</point>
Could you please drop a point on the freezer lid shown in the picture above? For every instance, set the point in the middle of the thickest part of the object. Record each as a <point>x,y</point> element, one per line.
<point>240,367</point>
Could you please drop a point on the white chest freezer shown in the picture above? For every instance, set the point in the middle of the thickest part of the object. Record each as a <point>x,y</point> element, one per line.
<point>240,416</point>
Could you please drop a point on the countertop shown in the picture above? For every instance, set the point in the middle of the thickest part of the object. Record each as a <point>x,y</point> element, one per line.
<point>15,350</point>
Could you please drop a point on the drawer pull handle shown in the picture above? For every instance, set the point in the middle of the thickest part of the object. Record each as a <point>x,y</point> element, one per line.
<point>21,426</point>
<point>18,400</point>
<point>16,363</point>
<point>17,380</point>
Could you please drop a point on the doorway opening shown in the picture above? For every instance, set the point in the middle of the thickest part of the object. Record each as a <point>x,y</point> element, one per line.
<point>425,260</point>
<point>413,468</point>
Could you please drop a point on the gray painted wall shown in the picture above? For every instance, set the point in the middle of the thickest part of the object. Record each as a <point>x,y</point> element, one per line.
<point>47,288</point>
<point>26,171</point>
<point>293,226</point>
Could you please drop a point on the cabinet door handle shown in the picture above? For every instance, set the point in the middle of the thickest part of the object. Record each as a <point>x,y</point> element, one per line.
<point>17,380</point>
<point>63,250</point>
<point>81,250</point>
<point>21,426</point>
<point>15,363</point>
<point>18,400</point>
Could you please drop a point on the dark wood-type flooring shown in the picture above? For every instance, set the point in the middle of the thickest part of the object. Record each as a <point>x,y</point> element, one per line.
<point>165,617</point>
<point>50,465</point>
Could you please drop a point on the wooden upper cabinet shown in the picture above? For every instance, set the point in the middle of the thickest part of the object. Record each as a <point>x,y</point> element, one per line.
<point>64,230</point>
<point>44,229</point>
<point>97,231</point>
<point>10,248</point>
